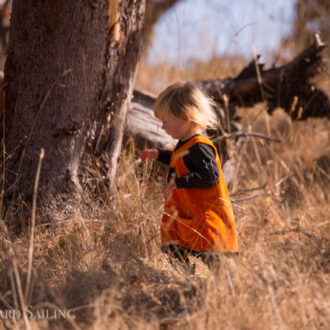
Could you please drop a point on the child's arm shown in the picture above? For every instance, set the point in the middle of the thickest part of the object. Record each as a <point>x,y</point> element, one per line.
<point>163,156</point>
<point>148,154</point>
<point>203,168</point>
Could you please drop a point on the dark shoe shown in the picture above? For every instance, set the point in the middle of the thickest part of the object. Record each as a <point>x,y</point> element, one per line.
<point>212,260</point>
<point>177,252</point>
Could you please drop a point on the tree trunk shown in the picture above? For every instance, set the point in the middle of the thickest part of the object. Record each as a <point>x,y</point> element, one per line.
<point>69,76</point>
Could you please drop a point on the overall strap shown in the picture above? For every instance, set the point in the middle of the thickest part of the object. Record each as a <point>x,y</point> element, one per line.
<point>183,150</point>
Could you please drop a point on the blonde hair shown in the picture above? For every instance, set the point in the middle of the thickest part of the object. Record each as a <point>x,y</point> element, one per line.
<point>186,100</point>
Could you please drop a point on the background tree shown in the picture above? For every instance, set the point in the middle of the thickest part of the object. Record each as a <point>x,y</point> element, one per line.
<point>68,81</point>
<point>155,9</point>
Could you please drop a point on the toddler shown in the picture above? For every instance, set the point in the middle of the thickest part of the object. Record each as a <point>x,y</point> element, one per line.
<point>198,217</point>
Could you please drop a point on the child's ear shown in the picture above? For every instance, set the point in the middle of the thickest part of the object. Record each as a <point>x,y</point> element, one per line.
<point>185,116</point>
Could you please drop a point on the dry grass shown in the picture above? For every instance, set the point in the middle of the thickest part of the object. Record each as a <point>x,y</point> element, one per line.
<point>106,264</point>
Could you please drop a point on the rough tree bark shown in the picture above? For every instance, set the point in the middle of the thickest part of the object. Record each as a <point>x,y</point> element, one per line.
<point>68,77</point>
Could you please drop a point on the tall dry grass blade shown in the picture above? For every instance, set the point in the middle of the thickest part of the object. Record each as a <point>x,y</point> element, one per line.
<point>257,152</point>
<point>275,307</point>
<point>12,282</point>
<point>13,288</point>
<point>227,114</point>
<point>33,221</point>
<point>20,294</point>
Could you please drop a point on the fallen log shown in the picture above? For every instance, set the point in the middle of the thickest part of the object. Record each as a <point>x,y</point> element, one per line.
<point>287,87</point>
<point>144,126</point>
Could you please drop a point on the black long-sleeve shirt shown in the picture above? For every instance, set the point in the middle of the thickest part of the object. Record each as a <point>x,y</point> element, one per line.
<point>201,163</point>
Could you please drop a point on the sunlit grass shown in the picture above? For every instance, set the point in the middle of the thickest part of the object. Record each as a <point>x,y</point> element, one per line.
<point>106,263</point>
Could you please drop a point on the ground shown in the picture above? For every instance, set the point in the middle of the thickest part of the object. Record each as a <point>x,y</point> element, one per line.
<point>105,265</point>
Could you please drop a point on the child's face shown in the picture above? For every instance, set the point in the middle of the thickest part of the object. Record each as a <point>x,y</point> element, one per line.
<point>178,128</point>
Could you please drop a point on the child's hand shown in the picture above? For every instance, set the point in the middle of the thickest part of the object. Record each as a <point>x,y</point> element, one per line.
<point>148,154</point>
<point>169,187</point>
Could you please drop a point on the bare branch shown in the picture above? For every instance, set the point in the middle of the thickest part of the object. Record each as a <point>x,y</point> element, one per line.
<point>238,192</point>
<point>245,134</point>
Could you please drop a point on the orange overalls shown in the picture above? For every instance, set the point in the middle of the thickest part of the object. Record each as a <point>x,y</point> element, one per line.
<point>199,219</point>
